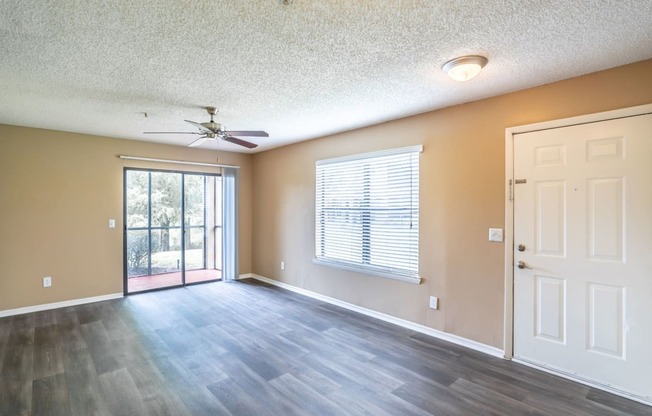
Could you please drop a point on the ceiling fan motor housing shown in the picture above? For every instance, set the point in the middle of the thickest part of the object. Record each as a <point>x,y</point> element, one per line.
<point>213,126</point>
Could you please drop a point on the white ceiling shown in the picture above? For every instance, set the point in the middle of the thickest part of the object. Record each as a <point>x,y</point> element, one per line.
<point>298,71</point>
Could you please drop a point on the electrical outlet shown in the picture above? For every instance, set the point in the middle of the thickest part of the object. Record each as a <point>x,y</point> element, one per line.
<point>282,265</point>
<point>434,302</point>
<point>47,281</point>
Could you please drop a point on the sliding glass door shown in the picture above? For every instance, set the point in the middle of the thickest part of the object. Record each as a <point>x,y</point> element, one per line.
<point>172,229</point>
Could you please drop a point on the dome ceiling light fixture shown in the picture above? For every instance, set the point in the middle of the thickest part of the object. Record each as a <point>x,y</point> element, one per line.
<point>464,68</point>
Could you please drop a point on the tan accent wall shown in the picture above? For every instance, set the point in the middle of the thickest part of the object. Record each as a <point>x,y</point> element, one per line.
<point>462,195</point>
<point>57,193</point>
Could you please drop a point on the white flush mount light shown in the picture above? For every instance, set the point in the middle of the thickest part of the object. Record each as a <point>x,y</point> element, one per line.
<point>465,67</point>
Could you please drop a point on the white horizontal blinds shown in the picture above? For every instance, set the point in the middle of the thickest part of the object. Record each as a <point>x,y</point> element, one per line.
<point>368,211</point>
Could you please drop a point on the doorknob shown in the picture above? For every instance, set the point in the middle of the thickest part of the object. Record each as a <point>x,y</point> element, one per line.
<point>522,265</point>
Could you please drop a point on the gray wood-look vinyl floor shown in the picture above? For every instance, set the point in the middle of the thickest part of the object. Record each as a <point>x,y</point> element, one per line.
<point>246,348</point>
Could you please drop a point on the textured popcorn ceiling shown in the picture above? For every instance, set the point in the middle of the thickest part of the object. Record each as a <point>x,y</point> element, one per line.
<point>298,71</point>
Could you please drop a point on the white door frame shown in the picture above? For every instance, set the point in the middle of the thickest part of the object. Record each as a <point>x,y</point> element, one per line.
<point>509,204</point>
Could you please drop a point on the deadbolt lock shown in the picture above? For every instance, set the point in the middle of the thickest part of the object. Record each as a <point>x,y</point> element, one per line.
<point>521,247</point>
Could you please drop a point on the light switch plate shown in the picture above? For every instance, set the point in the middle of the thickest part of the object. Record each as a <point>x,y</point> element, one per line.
<point>496,234</point>
<point>111,223</point>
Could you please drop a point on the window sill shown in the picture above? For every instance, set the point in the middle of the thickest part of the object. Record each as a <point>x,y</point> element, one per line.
<point>402,278</point>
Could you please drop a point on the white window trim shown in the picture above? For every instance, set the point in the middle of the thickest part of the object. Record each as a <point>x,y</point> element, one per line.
<point>350,267</point>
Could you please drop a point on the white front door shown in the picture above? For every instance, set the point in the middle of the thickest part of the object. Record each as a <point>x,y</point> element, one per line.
<point>583,232</point>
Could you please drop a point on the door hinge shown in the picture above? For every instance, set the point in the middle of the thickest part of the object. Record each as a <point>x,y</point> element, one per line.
<point>519,181</point>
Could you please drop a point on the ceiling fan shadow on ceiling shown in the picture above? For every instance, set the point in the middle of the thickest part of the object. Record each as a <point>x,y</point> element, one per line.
<point>212,131</point>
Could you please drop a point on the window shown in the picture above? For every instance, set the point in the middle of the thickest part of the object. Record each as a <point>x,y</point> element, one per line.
<point>367,213</point>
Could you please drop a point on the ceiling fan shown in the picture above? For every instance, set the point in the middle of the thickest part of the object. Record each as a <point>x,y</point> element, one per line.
<point>212,131</point>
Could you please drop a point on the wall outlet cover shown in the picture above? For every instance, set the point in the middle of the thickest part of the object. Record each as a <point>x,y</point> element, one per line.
<point>434,302</point>
<point>47,281</point>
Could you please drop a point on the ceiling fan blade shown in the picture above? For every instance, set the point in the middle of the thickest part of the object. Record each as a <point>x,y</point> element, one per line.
<point>244,143</point>
<point>258,133</point>
<point>172,132</point>
<point>198,142</point>
<point>199,126</point>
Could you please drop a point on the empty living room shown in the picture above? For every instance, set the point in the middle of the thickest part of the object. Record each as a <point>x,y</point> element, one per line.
<point>289,207</point>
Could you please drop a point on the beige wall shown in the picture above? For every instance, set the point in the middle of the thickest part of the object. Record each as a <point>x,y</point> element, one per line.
<point>57,193</point>
<point>58,190</point>
<point>462,191</point>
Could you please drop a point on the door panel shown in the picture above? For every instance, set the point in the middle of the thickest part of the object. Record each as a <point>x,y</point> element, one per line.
<point>550,304</point>
<point>551,218</point>
<point>583,299</point>
<point>606,319</point>
<point>201,201</point>
<point>606,222</point>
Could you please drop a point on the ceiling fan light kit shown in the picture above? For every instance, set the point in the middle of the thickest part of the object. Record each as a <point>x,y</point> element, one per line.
<point>212,131</point>
<point>464,68</point>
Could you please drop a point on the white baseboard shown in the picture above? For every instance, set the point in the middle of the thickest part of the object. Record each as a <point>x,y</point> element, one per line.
<point>56,305</point>
<point>455,339</point>
<point>246,276</point>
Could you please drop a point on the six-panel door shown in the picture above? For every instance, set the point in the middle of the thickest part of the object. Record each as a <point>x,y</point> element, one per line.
<point>583,297</point>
